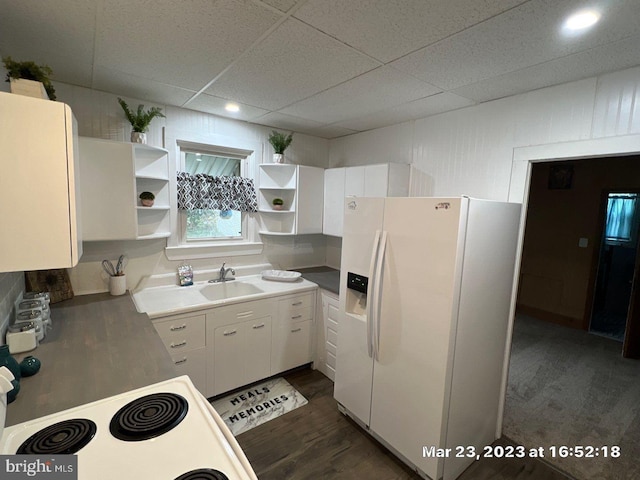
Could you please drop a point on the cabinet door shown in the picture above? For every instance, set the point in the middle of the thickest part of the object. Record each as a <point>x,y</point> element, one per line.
<point>38,185</point>
<point>293,346</point>
<point>258,349</point>
<point>376,180</point>
<point>107,190</point>
<point>192,363</point>
<point>229,358</point>
<point>332,220</point>
<point>354,182</point>
<point>310,200</point>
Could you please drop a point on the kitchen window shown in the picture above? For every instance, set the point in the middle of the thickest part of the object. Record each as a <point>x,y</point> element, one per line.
<point>213,175</point>
<point>211,224</point>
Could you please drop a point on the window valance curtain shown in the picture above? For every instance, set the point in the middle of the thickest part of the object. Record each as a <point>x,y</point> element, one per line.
<point>201,191</point>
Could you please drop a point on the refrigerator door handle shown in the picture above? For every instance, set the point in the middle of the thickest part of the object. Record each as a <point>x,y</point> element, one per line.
<point>370,293</point>
<point>377,295</point>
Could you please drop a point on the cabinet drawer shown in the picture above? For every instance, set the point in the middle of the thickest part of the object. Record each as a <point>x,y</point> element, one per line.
<point>241,312</point>
<point>182,333</point>
<point>192,363</point>
<point>297,302</point>
<point>299,315</point>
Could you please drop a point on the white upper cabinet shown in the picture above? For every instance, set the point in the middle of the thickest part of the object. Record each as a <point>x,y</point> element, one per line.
<point>38,185</point>
<point>301,190</point>
<point>378,180</point>
<point>113,176</point>
<point>334,186</point>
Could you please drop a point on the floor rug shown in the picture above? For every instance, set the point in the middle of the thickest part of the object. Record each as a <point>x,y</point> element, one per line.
<point>255,405</point>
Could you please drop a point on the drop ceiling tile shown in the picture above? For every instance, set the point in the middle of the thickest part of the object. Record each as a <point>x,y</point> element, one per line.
<point>522,37</point>
<point>121,83</point>
<point>212,104</point>
<point>368,93</point>
<point>388,29</point>
<point>424,107</point>
<point>330,131</point>
<point>292,63</point>
<point>287,122</point>
<point>282,5</point>
<point>178,43</point>
<point>590,63</point>
<point>45,33</point>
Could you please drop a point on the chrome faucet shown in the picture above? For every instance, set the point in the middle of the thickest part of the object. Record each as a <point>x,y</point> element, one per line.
<point>223,275</point>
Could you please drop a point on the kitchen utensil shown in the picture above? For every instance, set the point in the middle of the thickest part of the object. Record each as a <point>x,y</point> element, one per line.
<point>120,265</point>
<point>108,267</point>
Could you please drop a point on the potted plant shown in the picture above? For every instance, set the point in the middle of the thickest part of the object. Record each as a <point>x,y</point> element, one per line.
<point>147,198</point>
<point>278,203</point>
<point>24,78</point>
<point>140,120</point>
<point>279,141</point>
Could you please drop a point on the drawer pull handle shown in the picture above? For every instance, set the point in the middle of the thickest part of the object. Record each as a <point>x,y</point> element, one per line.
<point>232,332</point>
<point>258,326</point>
<point>296,304</point>
<point>296,330</point>
<point>181,344</point>
<point>296,316</point>
<point>181,327</point>
<point>184,360</point>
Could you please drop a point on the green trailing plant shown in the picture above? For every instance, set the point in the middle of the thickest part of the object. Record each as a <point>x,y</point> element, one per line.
<point>147,196</point>
<point>140,119</point>
<point>277,201</point>
<point>30,71</point>
<point>280,141</point>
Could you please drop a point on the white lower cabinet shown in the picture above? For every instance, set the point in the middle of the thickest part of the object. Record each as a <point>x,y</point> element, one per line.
<point>327,312</point>
<point>239,353</point>
<point>226,347</point>
<point>292,336</point>
<point>184,338</point>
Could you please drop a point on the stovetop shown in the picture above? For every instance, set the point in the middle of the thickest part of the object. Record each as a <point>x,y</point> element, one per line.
<point>195,440</point>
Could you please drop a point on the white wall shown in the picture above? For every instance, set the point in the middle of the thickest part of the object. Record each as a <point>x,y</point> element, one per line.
<point>470,151</point>
<point>99,115</point>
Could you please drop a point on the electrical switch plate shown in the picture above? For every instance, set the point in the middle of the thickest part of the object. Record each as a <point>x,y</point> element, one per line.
<point>583,242</point>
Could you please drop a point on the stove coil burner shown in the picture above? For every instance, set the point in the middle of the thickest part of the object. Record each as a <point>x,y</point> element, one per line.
<point>148,417</point>
<point>63,438</point>
<point>203,474</point>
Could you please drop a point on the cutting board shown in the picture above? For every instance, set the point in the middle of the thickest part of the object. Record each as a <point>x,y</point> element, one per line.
<point>56,282</point>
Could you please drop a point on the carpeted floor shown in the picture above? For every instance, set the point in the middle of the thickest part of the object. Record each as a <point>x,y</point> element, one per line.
<point>567,387</point>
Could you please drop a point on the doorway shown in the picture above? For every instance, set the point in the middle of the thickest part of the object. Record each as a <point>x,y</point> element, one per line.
<point>616,264</point>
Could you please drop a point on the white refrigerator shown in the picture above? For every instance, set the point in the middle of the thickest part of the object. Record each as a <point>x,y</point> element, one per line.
<point>425,292</point>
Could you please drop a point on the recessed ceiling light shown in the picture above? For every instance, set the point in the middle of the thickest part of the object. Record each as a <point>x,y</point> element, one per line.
<point>232,107</point>
<point>580,21</point>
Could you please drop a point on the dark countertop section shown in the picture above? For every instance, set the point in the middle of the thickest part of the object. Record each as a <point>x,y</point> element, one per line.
<point>100,346</point>
<point>326,277</point>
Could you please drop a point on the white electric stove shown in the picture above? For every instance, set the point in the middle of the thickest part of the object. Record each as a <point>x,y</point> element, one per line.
<point>167,430</point>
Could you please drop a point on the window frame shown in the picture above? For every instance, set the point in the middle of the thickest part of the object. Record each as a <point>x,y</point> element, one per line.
<point>182,214</point>
<point>181,248</point>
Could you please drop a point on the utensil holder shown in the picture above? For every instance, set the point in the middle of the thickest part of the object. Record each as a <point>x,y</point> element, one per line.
<point>118,285</point>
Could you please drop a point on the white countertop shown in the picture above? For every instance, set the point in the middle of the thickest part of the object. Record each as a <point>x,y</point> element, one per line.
<point>160,301</point>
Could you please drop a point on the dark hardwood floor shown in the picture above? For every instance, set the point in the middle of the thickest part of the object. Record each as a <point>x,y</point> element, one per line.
<point>318,442</point>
